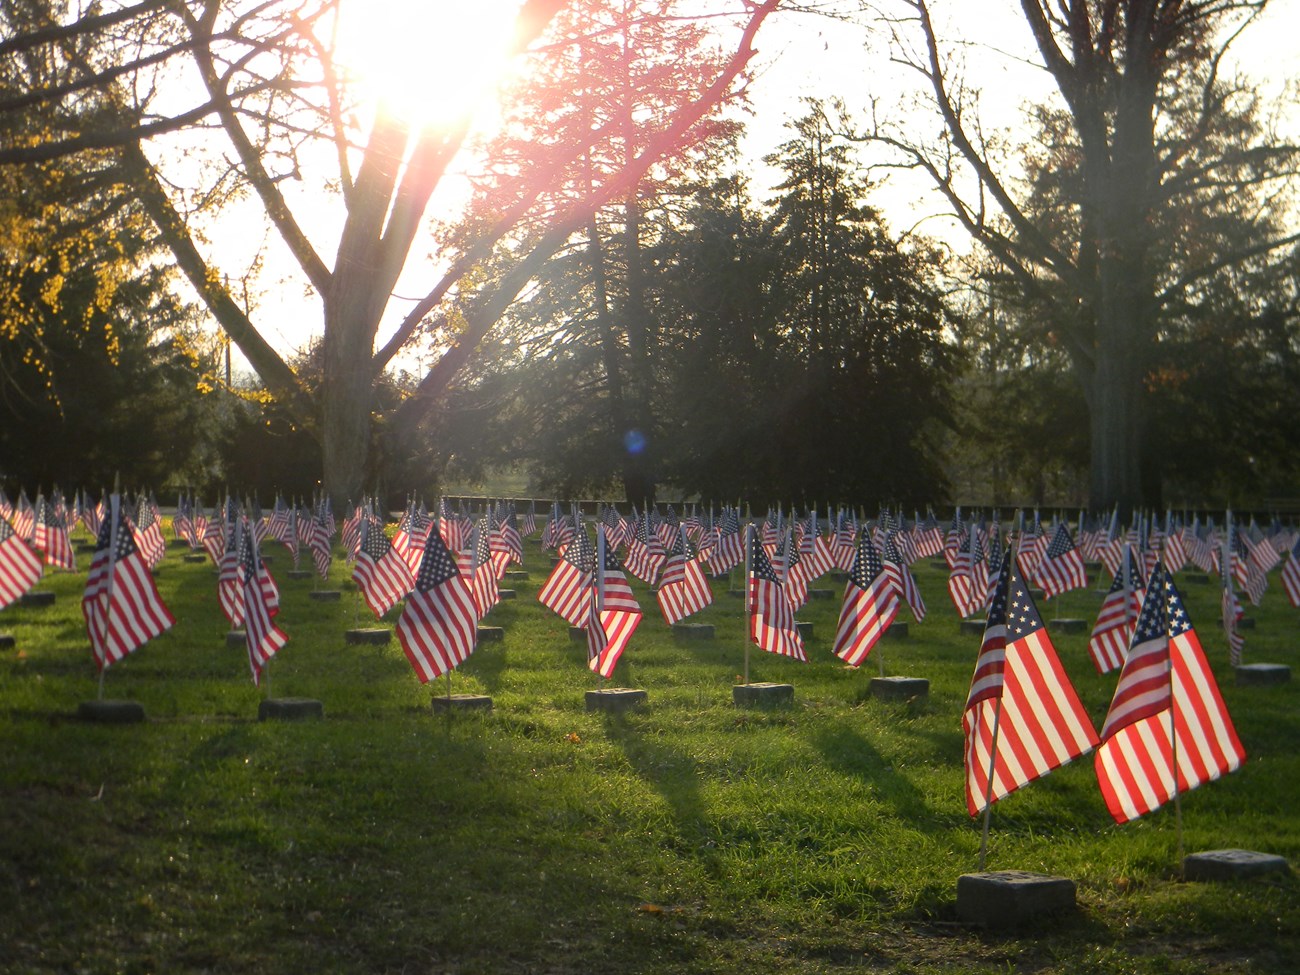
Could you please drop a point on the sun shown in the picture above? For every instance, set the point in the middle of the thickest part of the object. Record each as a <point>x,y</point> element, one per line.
<point>431,62</point>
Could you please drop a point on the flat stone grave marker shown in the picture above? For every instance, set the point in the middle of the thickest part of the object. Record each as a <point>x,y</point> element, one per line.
<point>615,699</point>
<point>762,694</point>
<point>7,641</point>
<point>111,712</point>
<point>1009,897</point>
<point>236,638</point>
<point>506,594</point>
<point>325,595</point>
<point>577,633</point>
<point>375,635</point>
<point>693,631</point>
<point>897,630</point>
<point>899,688</point>
<point>805,630</point>
<point>821,593</point>
<point>443,703</point>
<point>194,558</point>
<point>1200,578</point>
<point>1232,865</point>
<point>517,575</point>
<point>1246,623</point>
<point>490,634</point>
<point>42,598</point>
<point>1259,675</point>
<point>290,709</point>
<point>300,573</point>
<point>974,626</point>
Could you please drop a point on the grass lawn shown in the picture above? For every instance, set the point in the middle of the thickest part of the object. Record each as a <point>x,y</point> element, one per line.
<point>689,836</point>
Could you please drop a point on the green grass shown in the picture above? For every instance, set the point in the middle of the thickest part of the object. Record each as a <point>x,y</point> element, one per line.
<point>686,837</point>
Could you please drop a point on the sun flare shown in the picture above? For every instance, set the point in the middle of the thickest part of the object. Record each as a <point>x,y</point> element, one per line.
<point>429,61</point>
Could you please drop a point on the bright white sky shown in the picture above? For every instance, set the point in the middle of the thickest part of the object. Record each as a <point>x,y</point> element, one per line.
<point>799,55</point>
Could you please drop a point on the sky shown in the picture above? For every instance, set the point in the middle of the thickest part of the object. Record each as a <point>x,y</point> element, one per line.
<point>799,56</point>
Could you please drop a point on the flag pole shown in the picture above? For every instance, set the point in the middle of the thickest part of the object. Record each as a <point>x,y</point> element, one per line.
<point>749,623</point>
<point>988,786</point>
<point>114,506</point>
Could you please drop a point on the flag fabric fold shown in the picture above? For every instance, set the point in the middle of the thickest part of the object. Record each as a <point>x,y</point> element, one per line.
<point>439,623</point>
<point>120,604</point>
<point>1166,702</point>
<point>871,600</point>
<point>1022,717</point>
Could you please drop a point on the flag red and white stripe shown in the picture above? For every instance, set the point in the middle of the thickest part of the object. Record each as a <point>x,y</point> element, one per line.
<point>771,617</point>
<point>870,605</point>
<point>439,623</point>
<point>20,567</point>
<point>121,604</point>
<point>613,612</point>
<point>1022,717</point>
<point>1166,701</point>
<point>382,575</point>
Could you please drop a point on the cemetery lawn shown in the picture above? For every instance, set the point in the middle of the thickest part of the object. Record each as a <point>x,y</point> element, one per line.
<point>689,836</point>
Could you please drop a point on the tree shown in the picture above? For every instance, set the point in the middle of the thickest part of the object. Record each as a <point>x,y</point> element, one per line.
<point>1136,174</point>
<point>102,367</point>
<point>817,335</point>
<point>271,88</point>
<point>630,66</point>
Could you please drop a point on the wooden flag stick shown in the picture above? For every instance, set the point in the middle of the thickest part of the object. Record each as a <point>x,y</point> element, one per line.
<point>749,625</point>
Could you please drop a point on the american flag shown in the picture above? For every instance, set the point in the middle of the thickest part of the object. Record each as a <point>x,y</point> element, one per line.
<point>683,589</point>
<point>1166,694</point>
<point>220,528</point>
<point>567,591</point>
<point>230,579</point>
<point>351,533</point>
<point>790,567</point>
<point>1061,567</point>
<point>613,613</point>
<point>262,636</point>
<point>1291,574</point>
<point>814,552</point>
<point>20,567</point>
<point>645,552</point>
<point>1022,717</point>
<point>1199,549</point>
<point>901,576</point>
<point>148,531</point>
<point>1230,608</point>
<point>870,604</point>
<point>183,522</point>
<point>559,529</point>
<point>929,537</point>
<point>968,582</point>
<point>121,603</point>
<point>408,540</point>
<point>955,540</point>
<point>24,517</point>
<point>771,617</point>
<point>729,551</point>
<point>50,536</point>
<point>1174,552</point>
<point>1118,616</point>
<point>1243,568</point>
<point>381,574</point>
<point>483,582</point>
<point>843,547</point>
<point>438,626</point>
<point>528,521</point>
<point>508,532</point>
<point>317,539</point>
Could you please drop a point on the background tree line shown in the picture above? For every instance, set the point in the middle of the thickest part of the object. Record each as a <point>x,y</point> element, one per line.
<point>621,316</point>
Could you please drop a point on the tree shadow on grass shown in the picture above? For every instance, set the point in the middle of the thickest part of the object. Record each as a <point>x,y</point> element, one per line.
<point>847,751</point>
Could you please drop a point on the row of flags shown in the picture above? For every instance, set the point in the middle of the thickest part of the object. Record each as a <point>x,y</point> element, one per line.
<point>1166,730</point>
